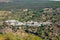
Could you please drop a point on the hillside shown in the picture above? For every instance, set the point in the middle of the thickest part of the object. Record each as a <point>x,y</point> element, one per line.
<point>43,32</point>
<point>31,14</point>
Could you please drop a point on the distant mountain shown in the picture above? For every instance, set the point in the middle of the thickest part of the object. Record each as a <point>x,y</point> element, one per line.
<point>22,0</point>
<point>17,4</point>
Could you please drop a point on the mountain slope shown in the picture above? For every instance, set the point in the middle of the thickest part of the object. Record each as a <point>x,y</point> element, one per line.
<point>28,4</point>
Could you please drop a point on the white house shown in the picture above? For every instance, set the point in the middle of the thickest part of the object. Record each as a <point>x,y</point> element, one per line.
<point>46,23</point>
<point>38,23</point>
<point>33,23</point>
<point>13,22</point>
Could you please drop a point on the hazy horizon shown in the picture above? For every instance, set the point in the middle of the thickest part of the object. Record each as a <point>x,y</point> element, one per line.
<point>6,4</point>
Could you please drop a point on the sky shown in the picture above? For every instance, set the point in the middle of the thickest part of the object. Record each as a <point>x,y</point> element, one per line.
<point>55,0</point>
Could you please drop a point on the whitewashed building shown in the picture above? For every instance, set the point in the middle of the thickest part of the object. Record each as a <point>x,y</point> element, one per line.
<point>38,23</point>
<point>13,22</point>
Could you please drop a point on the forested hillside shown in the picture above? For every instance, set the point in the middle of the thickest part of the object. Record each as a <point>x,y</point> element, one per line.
<point>43,32</point>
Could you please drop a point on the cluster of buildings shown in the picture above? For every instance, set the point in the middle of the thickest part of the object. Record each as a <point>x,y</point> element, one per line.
<point>29,23</point>
<point>13,22</point>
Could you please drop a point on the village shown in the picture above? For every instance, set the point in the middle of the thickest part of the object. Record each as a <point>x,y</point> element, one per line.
<point>28,23</point>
